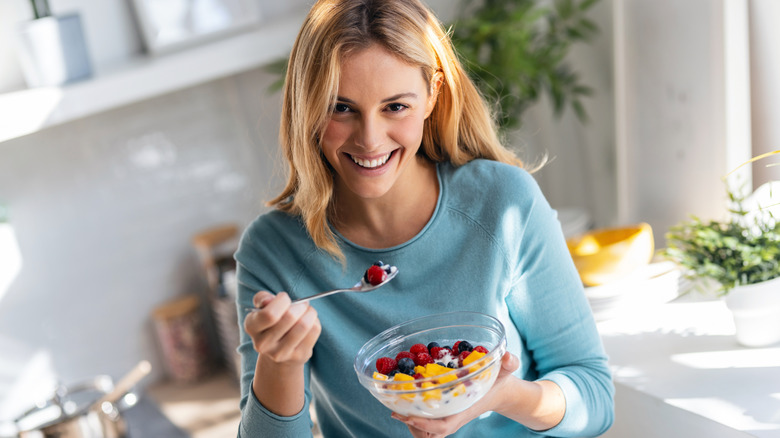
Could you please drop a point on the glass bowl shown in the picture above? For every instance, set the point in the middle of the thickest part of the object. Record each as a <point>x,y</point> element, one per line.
<point>439,395</point>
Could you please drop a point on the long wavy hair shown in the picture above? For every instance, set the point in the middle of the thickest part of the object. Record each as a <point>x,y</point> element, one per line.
<point>460,128</point>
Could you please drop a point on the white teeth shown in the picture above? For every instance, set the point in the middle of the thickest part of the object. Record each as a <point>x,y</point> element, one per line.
<point>370,164</point>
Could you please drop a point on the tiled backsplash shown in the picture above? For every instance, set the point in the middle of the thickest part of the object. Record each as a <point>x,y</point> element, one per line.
<point>104,207</point>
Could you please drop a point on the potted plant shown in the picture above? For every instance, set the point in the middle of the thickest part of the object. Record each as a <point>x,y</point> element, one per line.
<point>52,48</point>
<point>741,255</point>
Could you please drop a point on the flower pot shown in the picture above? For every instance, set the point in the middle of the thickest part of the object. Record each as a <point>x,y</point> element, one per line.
<point>756,311</point>
<point>53,51</point>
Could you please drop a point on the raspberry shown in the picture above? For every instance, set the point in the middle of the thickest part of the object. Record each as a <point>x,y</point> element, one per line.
<point>404,354</point>
<point>438,352</point>
<point>418,376</point>
<point>418,348</point>
<point>462,356</point>
<point>385,365</point>
<point>422,359</point>
<point>481,349</point>
<point>375,275</point>
<point>455,347</point>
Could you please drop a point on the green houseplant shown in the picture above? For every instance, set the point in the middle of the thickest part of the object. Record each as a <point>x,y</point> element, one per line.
<point>741,251</point>
<point>516,52</point>
<point>742,256</point>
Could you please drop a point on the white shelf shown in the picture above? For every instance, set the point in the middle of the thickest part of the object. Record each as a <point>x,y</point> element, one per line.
<point>29,111</point>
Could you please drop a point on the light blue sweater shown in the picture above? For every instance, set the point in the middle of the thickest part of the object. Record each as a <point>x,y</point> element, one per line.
<point>493,245</point>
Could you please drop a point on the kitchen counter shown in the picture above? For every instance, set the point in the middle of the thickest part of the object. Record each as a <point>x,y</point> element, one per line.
<point>679,372</point>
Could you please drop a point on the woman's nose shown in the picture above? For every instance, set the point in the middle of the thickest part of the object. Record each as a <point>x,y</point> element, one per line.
<point>370,133</point>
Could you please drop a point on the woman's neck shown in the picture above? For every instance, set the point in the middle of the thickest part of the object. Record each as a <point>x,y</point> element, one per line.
<point>394,218</point>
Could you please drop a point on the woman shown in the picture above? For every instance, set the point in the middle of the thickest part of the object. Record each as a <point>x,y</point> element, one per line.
<point>393,156</point>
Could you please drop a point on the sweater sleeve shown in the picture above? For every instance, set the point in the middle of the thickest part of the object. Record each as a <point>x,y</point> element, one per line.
<point>549,307</point>
<point>256,420</point>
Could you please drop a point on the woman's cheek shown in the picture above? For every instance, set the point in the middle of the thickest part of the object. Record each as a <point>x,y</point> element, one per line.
<point>335,135</point>
<point>409,132</point>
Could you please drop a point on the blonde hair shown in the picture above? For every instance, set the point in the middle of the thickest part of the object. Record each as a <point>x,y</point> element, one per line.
<point>460,128</point>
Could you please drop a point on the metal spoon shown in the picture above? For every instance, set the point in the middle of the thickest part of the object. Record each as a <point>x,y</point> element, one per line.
<point>361,286</point>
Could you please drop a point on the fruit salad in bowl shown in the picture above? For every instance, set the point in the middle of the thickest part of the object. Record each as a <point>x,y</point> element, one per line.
<point>433,366</point>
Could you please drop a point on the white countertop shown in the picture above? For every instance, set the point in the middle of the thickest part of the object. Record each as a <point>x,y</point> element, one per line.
<point>679,372</point>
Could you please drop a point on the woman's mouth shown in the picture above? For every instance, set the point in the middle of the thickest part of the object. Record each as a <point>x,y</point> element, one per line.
<point>372,163</point>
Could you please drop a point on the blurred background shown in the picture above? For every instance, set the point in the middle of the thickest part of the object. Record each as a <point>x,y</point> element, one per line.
<point>166,133</point>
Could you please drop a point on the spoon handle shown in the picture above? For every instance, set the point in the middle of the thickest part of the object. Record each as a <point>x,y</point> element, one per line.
<point>320,295</point>
<point>305,299</point>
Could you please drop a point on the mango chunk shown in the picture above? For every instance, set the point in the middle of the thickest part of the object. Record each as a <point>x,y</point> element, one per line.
<point>434,369</point>
<point>401,377</point>
<point>474,355</point>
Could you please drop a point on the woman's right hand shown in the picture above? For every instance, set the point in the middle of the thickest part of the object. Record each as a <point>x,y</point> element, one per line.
<point>282,332</point>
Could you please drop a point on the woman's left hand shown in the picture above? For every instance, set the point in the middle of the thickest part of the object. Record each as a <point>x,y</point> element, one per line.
<point>441,427</point>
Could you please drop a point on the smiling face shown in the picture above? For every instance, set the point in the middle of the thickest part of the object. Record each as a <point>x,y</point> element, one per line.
<point>376,125</point>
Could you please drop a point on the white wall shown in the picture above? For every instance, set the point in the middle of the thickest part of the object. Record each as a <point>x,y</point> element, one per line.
<point>765,87</point>
<point>682,108</point>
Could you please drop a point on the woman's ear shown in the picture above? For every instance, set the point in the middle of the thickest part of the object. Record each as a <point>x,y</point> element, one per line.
<point>436,82</point>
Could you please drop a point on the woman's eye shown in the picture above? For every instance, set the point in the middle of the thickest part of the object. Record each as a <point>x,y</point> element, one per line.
<point>396,107</point>
<point>340,108</point>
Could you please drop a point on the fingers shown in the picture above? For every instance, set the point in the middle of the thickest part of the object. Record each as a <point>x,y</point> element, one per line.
<point>426,427</point>
<point>301,327</point>
<point>272,309</point>
<point>281,330</point>
<point>261,299</point>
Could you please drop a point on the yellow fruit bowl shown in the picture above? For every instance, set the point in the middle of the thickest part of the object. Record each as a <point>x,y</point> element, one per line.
<point>607,254</point>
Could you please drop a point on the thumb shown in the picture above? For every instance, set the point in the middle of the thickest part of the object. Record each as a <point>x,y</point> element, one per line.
<point>509,362</point>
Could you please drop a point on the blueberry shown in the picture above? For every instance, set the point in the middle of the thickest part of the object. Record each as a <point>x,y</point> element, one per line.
<point>464,346</point>
<point>452,365</point>
<point>379,263</point>
<point>432,344</point>
<point>406,366</point>
<point>392,373</point>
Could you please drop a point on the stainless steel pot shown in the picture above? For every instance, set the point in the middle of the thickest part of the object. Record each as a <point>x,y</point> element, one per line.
<point>68,415</point>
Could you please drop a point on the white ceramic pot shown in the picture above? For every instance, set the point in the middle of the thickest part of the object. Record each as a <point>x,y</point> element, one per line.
<point>756,311</point>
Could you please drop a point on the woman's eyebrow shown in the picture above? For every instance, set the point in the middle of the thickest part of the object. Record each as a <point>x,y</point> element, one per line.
<point>408,95</point>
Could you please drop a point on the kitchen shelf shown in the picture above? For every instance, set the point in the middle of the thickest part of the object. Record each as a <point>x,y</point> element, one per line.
<point>32,110</point>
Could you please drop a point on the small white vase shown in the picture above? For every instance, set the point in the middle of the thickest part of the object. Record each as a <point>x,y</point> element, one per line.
<point>756,311</point>
<point>53,51</point>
